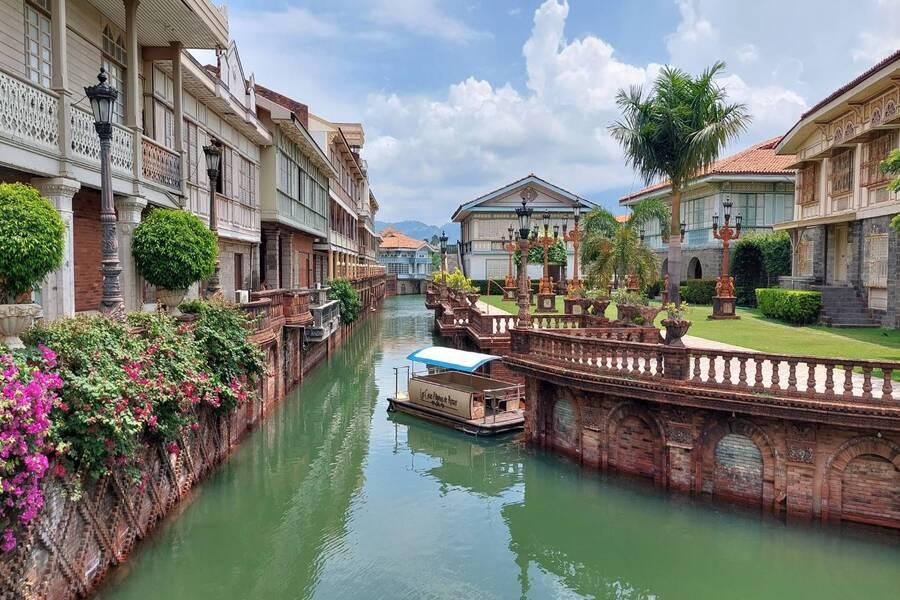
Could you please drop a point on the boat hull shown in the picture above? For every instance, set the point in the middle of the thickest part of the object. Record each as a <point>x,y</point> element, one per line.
<point>506,423</point>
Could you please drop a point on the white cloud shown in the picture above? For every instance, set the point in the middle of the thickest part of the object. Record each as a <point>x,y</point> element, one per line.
<point>421,17</point>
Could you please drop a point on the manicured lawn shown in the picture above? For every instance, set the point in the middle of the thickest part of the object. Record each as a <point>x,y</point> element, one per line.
<point>759,333</point>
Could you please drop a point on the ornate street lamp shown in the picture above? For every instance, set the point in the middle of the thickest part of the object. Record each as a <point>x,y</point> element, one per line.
<point>546,295</point>
<point>213,154</point>
<point>523,214</point>
<point>724,300</point>
<point>510,244</point>
<point>575,237</point>
<point>443,241</point>
<point>103,101</point>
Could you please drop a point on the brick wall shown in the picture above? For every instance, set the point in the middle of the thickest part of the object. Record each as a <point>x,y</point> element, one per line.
<point>804,470</point>
<point>87,233</point>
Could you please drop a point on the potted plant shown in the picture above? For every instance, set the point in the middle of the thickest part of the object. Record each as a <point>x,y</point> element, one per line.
<point>675,323</point>
<point>173,250</point>
<point>595,302</point>
<point>629,305</point>
<point>574,302</point>
<point>32,240</point>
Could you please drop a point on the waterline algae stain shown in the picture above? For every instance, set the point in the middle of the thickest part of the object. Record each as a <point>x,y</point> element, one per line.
<point>332,497</point>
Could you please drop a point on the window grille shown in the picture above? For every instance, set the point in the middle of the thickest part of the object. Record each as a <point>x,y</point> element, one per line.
<point>876,258</point>
<point>876,151</point>
<point>808,184</point>
<point>841,175</point>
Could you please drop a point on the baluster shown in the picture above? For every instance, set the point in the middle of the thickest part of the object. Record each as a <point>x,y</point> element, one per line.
<point>810,378</point>
<point>867,383</point>
<point>848,381</point>
<point>829,380</point>
<point>742,371</point>
<point>758,374</point>
<point>726,370</point>
<point>887,385</point>
<point>792,375</point>
<point>695,375</point>
<point>776,373</point>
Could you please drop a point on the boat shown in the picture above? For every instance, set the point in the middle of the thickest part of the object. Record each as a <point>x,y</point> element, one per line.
<point>450,392</point>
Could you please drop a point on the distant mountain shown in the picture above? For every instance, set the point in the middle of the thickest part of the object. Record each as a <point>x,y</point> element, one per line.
<point>420,231</point>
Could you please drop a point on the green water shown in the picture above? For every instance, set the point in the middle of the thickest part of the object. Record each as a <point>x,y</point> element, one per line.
<point>334,498</point>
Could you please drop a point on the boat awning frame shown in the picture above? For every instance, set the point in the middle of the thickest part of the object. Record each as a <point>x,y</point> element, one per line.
<point>451,358</point>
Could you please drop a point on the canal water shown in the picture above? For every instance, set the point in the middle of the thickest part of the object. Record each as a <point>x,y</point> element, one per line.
<point>335,498</point>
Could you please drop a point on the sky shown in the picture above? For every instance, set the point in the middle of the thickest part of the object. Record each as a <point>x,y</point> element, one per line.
<point>459,98</point>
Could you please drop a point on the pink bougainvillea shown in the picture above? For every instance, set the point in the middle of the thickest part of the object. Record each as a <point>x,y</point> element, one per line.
<point>27,396</point>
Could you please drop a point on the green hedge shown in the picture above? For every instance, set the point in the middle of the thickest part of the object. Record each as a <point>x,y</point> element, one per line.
<point>793,306</point>
<point>698,291</point>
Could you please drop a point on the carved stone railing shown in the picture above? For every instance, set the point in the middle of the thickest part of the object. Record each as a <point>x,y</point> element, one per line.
<point>593,352</point>
<point>296,308</point>
<point>259,312</point>
<point>28,115</point>
<point>160,165</point>
<point>86,145</point>
<point>326,320</point>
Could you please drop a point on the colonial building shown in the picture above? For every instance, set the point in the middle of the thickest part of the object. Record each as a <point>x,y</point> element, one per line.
<point>351,233</point>
<point>842,241</point>
<point>51,50</point>
<point>295,173</point>
<point>407,259</point>
<point>485,222</point>
<point>759,184</point>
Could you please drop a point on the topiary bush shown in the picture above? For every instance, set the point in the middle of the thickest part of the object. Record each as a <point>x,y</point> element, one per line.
<point>174,249</point>
<point>698,291</point>
<point>793,306</point>
<point>350,304</point>
<point>33,239</point>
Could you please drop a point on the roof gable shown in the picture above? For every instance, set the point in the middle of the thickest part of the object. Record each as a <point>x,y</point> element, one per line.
<point>507,198</point>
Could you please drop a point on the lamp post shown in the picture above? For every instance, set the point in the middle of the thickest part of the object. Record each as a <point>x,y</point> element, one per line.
<point>546,295</point>
<point>523,213</point>
<point>103,100</point>
<point>724,300</point>
<point>510,245</point>
<point>574,236</point>
<point>443,241</point>
<point>213,154</point>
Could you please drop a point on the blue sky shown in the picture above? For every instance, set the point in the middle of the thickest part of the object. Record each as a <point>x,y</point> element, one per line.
<point>461,97</point>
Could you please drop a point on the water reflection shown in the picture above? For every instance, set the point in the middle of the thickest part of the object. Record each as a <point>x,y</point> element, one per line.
<point>334,498</point>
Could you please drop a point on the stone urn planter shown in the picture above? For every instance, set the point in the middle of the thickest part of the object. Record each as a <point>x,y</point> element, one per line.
<point>171,299</point>
<point>15,319</point>
<point>675,330</point>
<point>596,306</point>
<point>473,298</point>
<point>627,312</point>
<point>649,313</point>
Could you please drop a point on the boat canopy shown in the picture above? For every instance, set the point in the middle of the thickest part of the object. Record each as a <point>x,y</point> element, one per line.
<point>450,358</point>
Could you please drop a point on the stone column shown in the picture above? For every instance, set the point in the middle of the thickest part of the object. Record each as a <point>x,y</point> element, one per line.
<point>58,293</point>
<point>133,109</point>
<point>272,237</point>
<point>60,83</point>
<point>287,262</point>
<point>128,215</point>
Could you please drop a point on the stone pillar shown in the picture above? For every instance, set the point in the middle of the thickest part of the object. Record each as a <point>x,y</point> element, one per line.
<point>58,293</point>
<point>128,215</point>
<point>133,110</point>
<point>60,83</point>
<point>287,262</point>
<point>272,237</point>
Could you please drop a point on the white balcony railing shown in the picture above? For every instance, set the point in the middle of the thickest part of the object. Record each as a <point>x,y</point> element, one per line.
<point>160,164</point>
<point>28,115</point>
<point>86,144</point>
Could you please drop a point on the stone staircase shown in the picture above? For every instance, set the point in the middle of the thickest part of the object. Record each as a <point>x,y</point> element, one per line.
<point>844,307</point>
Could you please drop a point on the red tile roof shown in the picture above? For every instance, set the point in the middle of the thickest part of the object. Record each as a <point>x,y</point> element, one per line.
<point>395,240</point>
<point>853,83</point>
<point>755,160</point>
<point>298,108</point>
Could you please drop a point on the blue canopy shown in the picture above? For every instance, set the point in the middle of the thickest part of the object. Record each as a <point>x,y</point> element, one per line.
<point>450,358</point>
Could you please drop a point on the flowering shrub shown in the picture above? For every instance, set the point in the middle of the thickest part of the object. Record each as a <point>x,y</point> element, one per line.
<point>27,396</point>
<point>234,363</point>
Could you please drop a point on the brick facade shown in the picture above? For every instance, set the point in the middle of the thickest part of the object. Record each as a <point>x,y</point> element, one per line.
<point>88,233</point>
<point>800,469</point>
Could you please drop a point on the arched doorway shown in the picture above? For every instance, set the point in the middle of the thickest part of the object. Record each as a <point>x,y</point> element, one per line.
<point>695,269</point>
<point>636,445</point>
<point>738,470</point>
<point>565,425</point>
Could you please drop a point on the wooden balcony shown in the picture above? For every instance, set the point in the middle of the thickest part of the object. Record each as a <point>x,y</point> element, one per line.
<point>161,165</point>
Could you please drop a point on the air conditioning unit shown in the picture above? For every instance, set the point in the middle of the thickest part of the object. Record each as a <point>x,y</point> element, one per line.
<point>242,296</point>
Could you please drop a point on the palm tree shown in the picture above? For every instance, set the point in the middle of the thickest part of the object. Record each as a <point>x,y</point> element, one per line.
<point>612,249</point>
<point>676,132</point>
